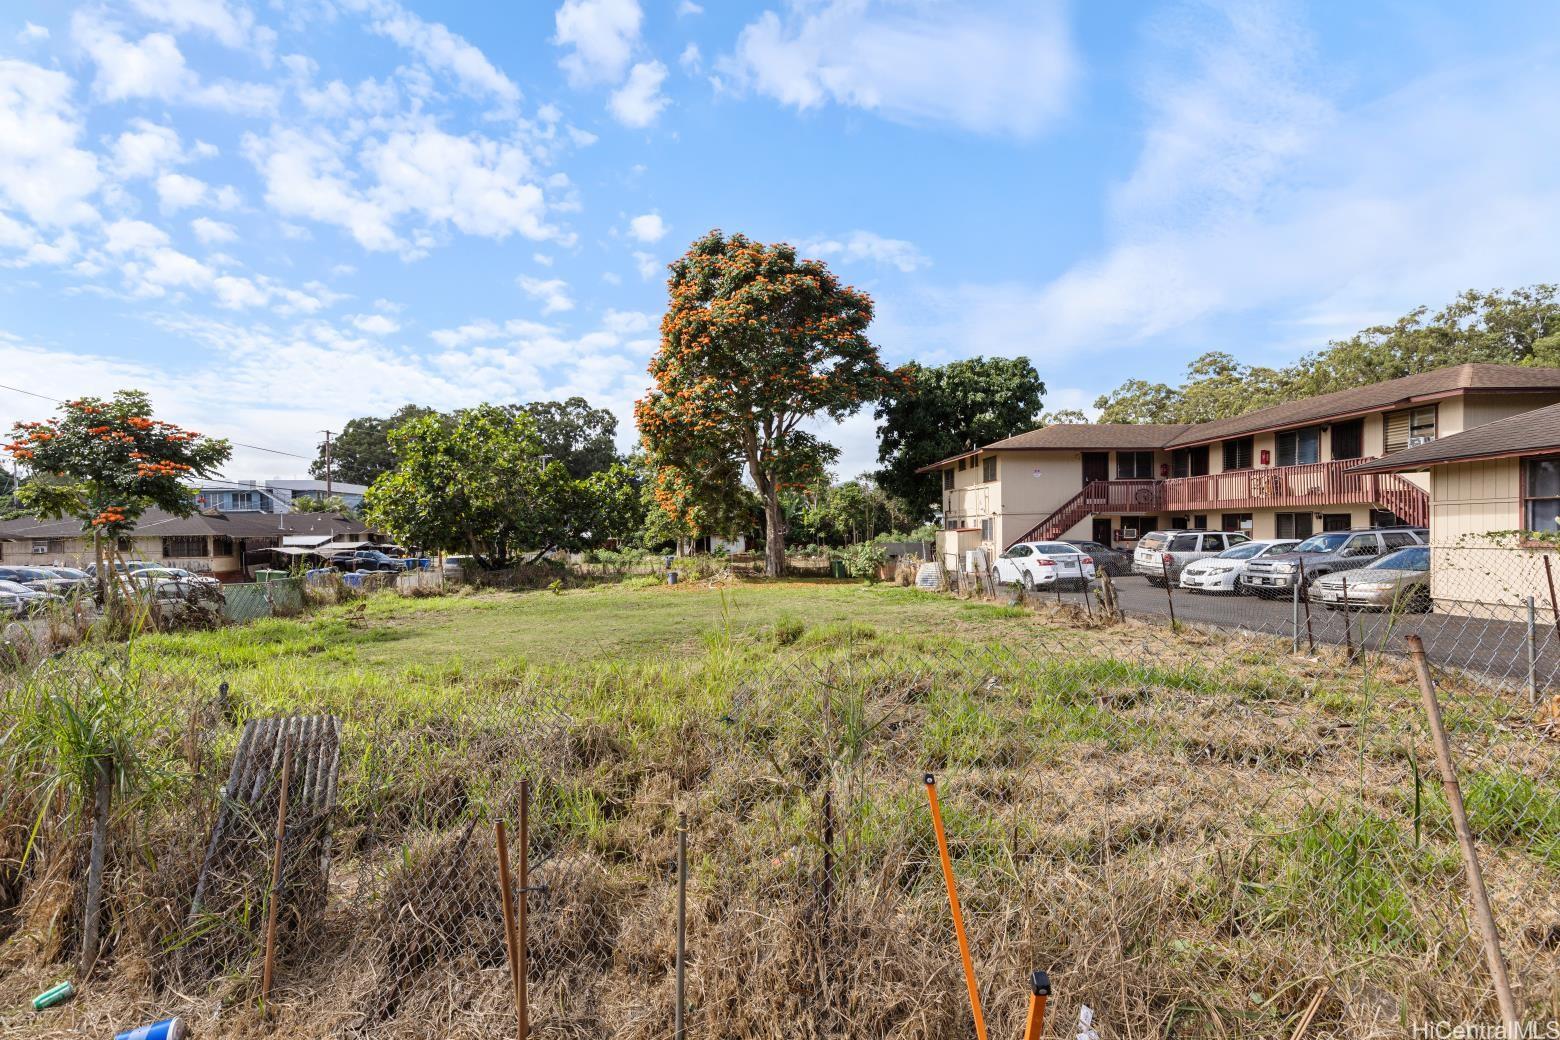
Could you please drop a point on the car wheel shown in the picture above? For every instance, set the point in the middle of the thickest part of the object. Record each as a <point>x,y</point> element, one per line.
<point>1027,580</point>
<point>1419,601</point>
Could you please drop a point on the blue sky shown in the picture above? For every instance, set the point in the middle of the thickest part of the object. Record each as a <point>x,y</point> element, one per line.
<point>279,215</point>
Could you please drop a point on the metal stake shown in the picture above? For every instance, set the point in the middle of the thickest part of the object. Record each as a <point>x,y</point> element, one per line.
<point>953,905</point>
<point>679,1028</point>
<point>1310,633</point>
<point>1294,619</point>
<point>276,878</point>
<point>1532,653</point>
<point>1039,990</point>
<point>1348,629</point>
<point>1470,855</point>
<point>522,1007</point>
<point>1164,567</point>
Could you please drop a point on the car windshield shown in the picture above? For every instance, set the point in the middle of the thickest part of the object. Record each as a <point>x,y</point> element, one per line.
<point>1056,549</point>
<point>1414,558</point>
<point>1244,551</point>
<point>1154,540</point>
<point>68,572</point>
<point>1273,548</point>
<point>14,588</point>
<point>1323,542</point>
<point>34,573</point>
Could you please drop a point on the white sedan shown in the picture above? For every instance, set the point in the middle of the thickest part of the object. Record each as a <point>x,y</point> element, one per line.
<point>1032,564</point>
<point>1222,573</point>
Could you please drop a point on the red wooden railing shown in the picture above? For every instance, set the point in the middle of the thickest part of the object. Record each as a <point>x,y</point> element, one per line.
<point>1309,486</point>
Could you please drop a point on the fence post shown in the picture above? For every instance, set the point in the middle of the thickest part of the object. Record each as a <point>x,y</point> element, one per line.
<point>276,877</point>
<point>1348,629</point>
<point>1470,855</point>
<point>1310,633</point>
<point>1294,620</point>
<point>507,903</point>
<point>679,1027</point>
<point>1532,653</point>
<point>522,968</point>
<point>1164,568</point>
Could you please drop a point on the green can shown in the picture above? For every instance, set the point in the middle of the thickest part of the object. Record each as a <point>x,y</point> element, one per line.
<point>54,995</point>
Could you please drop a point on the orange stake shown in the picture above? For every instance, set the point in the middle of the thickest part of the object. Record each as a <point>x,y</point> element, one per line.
<point>1039,990</point>
<point>953,904</point>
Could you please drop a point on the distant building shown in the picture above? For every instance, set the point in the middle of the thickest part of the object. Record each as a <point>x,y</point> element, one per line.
<point>272,496</point>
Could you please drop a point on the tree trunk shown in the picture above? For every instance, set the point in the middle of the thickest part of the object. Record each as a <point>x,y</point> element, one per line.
<point>103,792</point>
<point>774,534</point>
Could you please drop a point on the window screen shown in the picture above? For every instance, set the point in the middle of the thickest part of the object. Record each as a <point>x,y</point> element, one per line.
<point>947,480</point>
<point>1238,453</point>
<point>1300,447</point>
<point>1541,493</point>
<point>989,470</point>
<point>1134,465</point>
<point>1404,427</point>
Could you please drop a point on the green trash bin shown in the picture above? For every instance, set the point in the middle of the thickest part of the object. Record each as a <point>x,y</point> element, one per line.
<point>269,574</point>
<point>837,569</point>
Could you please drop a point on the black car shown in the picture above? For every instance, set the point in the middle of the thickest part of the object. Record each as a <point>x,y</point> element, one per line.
<point>365,560</point>
<point>1107,560</point>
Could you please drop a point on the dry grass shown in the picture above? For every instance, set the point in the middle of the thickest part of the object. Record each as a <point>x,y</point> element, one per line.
<point>1191,833</point>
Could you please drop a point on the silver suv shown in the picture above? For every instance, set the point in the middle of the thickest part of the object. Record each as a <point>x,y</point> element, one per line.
<point>1162,553</point>
<point>1326,553</point>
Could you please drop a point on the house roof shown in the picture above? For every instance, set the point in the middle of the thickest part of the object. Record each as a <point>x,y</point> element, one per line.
<point>156,522</point>
<point>1406,390</point>
<point>1340,404</point>
<point>1524,434</point>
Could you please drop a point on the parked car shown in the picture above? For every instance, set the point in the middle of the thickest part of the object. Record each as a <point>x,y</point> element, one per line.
<point>1110,561</point>
<point>39,579</point>
<point>1032,564</point>
<point>75,574</point>
<point>1327,553</point>
<point>123,567</point>
<point>175,574</point>
<point>1222,573</point>
<point>18,599</point>
<point>1397,581</point>
<point>455,567</point>
<point>1161,553</point>
<point>365,560</point>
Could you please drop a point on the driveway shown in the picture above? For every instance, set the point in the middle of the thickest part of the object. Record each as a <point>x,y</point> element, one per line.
<point>1497,650</point>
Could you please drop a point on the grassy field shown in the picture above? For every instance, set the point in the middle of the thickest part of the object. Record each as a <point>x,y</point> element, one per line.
<point>1194,833</point>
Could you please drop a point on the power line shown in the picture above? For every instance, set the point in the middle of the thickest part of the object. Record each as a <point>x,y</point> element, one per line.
<point>236,444</point>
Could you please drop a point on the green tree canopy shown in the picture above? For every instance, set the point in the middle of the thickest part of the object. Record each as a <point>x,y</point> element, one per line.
<point>579,436</point>
<point>475,481</point>
<point>1520,327</point>
<point>941,411</point>
<point>361,451</point>
<point>754,343</point>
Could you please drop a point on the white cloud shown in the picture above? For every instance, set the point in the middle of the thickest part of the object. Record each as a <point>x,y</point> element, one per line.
<point>440,49</point>
<point>542,258</point>
<point>31,33</point>
<point>213,232</point>
<point>485,331</point>
<point>553,292</point>
<point>602,35</point>
<point>146,149</point>
<point>154,67</point>
<point>639,100</point>
<point>648,227</point>
<point>646,264</point>
<point>868,246</point>
<point>375,324</point>
<point>176,191</point>
<point>43,174</point>
<point>688,7</point>
<point>231,26</point>
<point>479,185</point>
<point>133,236</point>
<point>987,67</point>
<point>691,58</point>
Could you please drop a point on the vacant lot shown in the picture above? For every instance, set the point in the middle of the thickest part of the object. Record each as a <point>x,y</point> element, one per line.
<point>1196,835</point>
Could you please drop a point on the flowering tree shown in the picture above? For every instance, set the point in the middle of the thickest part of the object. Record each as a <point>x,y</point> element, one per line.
<point>106,462</point>
<point>753,343</point>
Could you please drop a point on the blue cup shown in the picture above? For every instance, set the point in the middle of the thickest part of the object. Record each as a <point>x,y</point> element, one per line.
<point>167,1029</point>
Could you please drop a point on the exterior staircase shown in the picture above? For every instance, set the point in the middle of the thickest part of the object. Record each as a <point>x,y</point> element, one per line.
<point>1405,498</point>
<point>929,576</point>
<point>1100,496</point>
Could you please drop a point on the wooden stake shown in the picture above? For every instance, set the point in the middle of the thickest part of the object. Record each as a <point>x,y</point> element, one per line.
<point>1310,1012</point>
<point>102,798</point>
<point>511,940</point>
<point>523,1006</point>
<point>953,905</point>
<point>1470,855</point>
<point>276,878</point>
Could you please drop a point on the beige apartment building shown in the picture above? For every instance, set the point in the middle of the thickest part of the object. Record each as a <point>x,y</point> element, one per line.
<point>1288,470</point>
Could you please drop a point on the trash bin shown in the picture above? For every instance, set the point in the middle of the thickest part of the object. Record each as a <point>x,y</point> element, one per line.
<point>269,574</point>
<point>837,569</point>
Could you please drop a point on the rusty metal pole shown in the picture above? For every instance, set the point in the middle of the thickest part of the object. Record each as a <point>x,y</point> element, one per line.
<point>1310,633</point>
<point>1454,800</point>
<point>1348,629</point>
<point>1164,567</point>
<point>679,1019</point>
<point>276,878</point>
<point>511,939</point>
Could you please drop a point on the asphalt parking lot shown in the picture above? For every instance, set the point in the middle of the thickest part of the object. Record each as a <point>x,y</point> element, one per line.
<point>1493,648</point>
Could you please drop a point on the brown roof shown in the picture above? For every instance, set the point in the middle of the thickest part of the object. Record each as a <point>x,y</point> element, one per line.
<point>1522,434</point>
<point>156,522</point>
<point>1421,386</point>
<point>1127,436</point>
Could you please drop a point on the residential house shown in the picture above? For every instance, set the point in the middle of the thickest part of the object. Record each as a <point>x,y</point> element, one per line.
<point>1494,513</point>
<point>225,545</point>
<point>271,496</point>
<point>1281,471</point>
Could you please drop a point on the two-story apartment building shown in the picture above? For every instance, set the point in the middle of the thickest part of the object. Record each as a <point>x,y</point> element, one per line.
<point>272,496</point>
<point>1280,471</point>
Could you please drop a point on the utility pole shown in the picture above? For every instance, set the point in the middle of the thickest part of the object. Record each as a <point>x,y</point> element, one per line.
<point>328,487</point>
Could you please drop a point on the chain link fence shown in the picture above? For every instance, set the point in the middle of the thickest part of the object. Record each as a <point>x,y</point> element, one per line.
<point>1229,826</point>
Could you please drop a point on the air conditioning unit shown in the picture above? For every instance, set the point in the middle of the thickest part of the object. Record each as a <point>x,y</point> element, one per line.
<point>1414,442</point>
<point>40,550</point>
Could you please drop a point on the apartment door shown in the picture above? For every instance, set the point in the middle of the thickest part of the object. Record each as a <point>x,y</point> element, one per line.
<point>1102,530</point>
<point>1348,439</point>
<point>1096,466</point>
